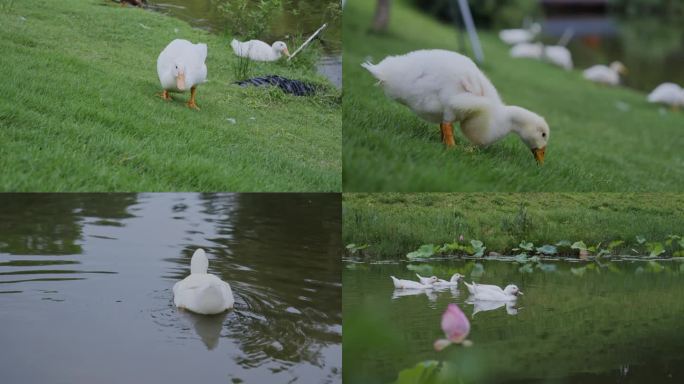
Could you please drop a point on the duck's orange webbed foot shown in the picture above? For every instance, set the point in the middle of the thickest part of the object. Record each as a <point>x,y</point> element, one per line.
<point>164,95</point>
<point>447,134</point>
<point>191,103</point>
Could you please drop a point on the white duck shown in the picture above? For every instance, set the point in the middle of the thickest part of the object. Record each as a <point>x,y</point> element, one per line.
<point>558,55</point>
<point>180,67</point>
<point>410,284</point>
<point>257,50</point>
<point>527,50</point>
<point>453,282</point>
<point>442,87</point>
<point>609,75</point>
<point>488,292</point>
<point>202,292</point>
<point>668,93</point>
<point>517,36</point>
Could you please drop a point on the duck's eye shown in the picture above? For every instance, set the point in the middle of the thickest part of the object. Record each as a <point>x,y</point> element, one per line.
<point>543,134</point>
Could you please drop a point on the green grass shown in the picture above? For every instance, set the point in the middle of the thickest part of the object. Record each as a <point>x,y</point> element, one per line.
<point>79,111</point>
<point>593,145</point>
<point>394,224</point>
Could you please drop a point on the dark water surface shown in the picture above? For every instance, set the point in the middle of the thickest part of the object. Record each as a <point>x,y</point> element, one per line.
<point>85,288</point>
<point>620,323</point>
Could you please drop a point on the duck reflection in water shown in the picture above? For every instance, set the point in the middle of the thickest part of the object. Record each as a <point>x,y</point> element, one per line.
<point>207,327</point>
<point>484,306</point>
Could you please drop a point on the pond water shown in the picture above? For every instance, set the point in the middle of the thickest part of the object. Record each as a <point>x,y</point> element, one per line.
<point>620,323</point>
<point>305,18</point>
<point>651,48</point>
<point>85,288</point>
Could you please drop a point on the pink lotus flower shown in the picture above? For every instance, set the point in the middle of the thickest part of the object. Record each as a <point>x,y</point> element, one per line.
<point>456,327</point>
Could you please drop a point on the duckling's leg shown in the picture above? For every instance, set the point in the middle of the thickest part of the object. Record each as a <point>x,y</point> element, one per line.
<point>447,134</point>
<point>192,103</point>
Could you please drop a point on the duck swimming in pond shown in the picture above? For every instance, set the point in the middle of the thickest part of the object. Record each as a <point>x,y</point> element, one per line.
<point>202,292</point>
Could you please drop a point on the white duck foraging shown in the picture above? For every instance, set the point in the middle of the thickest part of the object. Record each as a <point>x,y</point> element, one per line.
<point>668,93</point>
<point>180,67</point>
<point>443,86</point>
<point>608,75</point>
<point>257,50</point>
<point>410,284</point>
<point>486,292</point>
<point>517,36</point>
<point>202,292</point>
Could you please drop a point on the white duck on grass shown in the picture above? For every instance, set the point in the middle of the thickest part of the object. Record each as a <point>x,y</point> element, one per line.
<point>180,67</point>
<point>202,292</point>
<point>487,292</point>
<point>443,86</point>
<point>410,284</point>
<point>517,36</point>
<point>258,50</point>
<point>668,93</point>
<point>608,75</point>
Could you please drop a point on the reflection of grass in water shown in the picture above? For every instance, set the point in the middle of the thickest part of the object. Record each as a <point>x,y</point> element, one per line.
<point>565,326</point>
<point>593,146</point>
<point>394,224</point>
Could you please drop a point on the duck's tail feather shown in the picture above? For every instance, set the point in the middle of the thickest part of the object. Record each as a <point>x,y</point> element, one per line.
<point>471,287</point>
<point>373,69</point>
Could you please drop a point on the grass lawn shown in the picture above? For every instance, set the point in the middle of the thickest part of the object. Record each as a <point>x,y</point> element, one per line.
<point>394,224</point>
<point>593,146</point>
<point>79,111</point>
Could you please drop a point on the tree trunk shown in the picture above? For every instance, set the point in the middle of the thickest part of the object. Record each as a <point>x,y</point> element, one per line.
<point>382,13</point>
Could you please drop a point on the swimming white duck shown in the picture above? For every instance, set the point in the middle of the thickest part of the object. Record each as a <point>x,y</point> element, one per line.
<point>558,55</point>
<point>668,93</point>
<point>180,67</point>
<point>488,292</point>
<point>410,284</point>
<point>527,50</point>
<point>453,282</point>
<point>442,87</point>
<point>257,50</point>
<point>202,292</point>
<point>609,75</point>
<point>517,36</point>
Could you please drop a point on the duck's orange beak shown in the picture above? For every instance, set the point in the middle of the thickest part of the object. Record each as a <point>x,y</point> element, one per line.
<point>286,52</point>
<point>180,81</point>
<point>539,154</point>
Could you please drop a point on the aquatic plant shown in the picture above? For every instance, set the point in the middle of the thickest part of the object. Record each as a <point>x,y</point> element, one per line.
<point>456,328</point>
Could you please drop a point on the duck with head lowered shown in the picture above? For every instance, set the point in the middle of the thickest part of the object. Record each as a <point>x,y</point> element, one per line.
<point>443,87</point>
<point>258,50</point>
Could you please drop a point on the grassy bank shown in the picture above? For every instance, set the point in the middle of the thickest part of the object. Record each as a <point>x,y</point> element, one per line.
<point>594,146</point>
<point>79,110</point>
<point>393,224</point>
